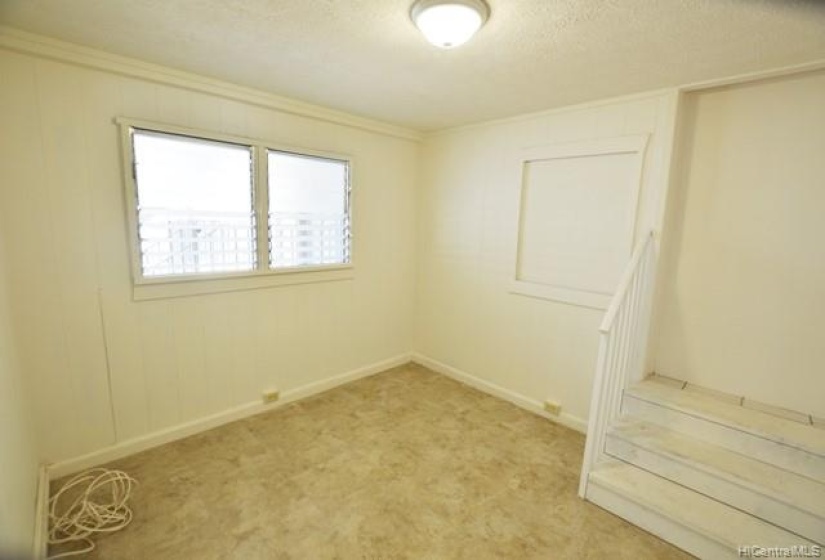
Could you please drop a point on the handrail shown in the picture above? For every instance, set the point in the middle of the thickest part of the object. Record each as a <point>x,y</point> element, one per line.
<point>624,283</point>
<point>623,338</point>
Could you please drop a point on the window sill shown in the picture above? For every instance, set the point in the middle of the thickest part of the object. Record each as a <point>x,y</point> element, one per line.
<point>569,296</point>
<point>164,288</point>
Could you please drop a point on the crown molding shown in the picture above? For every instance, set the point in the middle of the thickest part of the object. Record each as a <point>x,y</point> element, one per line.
<point>671,92</point>
<point>45,47</point>
<point>769,74</point>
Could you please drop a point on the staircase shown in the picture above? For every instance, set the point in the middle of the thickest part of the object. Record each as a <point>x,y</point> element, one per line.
<point>711,476</point>
<point>690,465</point>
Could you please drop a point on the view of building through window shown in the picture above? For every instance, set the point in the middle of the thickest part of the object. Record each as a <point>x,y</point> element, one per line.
<point>308,217</point>
<point>195,212</point>
<point>196,209</point>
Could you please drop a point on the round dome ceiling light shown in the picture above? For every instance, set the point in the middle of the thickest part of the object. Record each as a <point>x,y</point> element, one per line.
<point>449,23</point>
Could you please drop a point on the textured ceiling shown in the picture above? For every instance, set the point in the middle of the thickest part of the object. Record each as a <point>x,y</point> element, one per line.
<point>366,57</point>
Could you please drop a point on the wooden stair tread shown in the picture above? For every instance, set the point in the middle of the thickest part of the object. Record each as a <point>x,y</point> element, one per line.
<point>780,430</point>
<point>712,519</point>
<point>792,489</point>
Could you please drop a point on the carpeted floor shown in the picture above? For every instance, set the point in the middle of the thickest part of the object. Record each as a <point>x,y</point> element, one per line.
<point>404,464</point>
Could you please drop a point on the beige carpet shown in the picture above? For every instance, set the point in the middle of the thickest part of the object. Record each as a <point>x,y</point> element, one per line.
<point>405,464</point>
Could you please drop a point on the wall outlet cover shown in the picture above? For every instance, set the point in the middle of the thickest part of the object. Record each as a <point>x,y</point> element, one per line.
<point>552,407</point>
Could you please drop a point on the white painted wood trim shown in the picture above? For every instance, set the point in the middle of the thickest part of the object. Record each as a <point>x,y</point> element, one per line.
<point>142,443</point>
<point>631,144</point>
<point>262,276</point>
<point>521,401</point>
<point>127,158</point>
<point>266,143</point>
<point>579,298</point>
<point>167,435</point>
<point>260,203</point>
<point>586,148</point>
<point>40,542</point>
<point>624,284</point>
<point>587,105</point>
<point>46,47</point>
<point>621,351</point>
<point>597,420</point>
<point>619,99</point>
<point>186,287</point>
<point>737,79</point>
<point>671,165</point>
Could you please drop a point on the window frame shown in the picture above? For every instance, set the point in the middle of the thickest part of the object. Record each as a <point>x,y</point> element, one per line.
<point>266,209</point>
<point>147,287</point>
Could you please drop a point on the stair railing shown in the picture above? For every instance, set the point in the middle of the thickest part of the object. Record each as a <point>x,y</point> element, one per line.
<point>622,349</point>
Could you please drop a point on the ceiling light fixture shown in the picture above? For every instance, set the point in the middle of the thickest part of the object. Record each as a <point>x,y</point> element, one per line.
<point>449,23</point>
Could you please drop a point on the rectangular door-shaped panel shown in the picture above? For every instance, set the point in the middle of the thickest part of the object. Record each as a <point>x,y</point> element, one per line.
<point>577,219</point>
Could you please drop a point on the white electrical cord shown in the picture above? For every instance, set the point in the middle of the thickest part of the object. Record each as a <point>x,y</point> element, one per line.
<point>100,506</point>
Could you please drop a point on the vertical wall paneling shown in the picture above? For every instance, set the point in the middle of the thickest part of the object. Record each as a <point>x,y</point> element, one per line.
<point>55,313</point>
<point>187,324</point>
<point>467,207</point>
<point>157,338</point>
<point>70,218</point>
<point>109,369</point>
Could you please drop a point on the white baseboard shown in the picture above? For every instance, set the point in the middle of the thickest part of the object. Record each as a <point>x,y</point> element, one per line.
<point>40,542</point>
<point>148,441</point>
<point>160,437</point>
<point>521,401</point>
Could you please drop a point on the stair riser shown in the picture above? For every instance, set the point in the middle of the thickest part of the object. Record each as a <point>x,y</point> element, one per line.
<point>657,524</point>
<point>789,458</point>
<point>743,498</point>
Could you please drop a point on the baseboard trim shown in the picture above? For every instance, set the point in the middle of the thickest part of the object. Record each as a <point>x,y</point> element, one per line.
<point>531,405</point>
<point>167,435</point>
<point>40,542</point>
<point>160,437</point>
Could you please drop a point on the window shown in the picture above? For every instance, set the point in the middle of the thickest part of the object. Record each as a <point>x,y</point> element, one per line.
<point>194,205</point>
<point>206,206</point>
<point>308,210</point>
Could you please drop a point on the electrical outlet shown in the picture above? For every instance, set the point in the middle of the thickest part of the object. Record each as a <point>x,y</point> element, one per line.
<point>553,408</point>
<point>271,396</point>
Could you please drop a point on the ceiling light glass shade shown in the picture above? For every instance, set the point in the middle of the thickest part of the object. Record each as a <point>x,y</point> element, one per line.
<point>449,23</point>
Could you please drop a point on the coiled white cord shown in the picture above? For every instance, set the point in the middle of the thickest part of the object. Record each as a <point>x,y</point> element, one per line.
<point>100,506</point>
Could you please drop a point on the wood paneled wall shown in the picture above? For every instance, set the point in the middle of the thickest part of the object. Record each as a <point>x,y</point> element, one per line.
<point>106,369</point>
<point>466,317</point>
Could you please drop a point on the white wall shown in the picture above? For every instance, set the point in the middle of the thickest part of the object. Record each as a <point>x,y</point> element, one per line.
<point>18,454</point>
<point>109,369</point>
<point>468,200</point>
<point>744,306</point>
